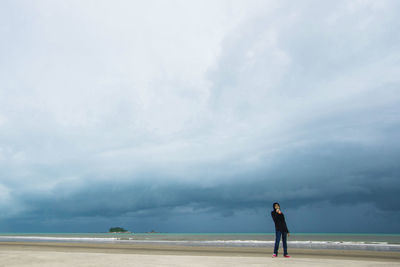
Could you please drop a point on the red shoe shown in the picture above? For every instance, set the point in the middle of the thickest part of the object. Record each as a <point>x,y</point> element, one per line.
<point>287,256</point>
<point>274,256</point>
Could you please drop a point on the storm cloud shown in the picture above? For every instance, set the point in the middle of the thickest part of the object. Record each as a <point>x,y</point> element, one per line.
<point>198,116</point>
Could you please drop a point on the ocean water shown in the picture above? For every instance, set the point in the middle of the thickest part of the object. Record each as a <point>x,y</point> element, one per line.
<point>375,242</point>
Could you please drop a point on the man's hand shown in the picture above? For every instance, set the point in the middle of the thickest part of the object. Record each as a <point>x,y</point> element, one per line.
<point>288,234</point>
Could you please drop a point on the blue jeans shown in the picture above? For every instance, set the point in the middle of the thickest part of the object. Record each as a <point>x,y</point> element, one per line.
<point>278,239</point>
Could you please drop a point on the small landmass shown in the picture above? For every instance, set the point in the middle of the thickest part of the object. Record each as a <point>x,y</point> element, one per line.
<point>152,232</point>
<point>118,230</point>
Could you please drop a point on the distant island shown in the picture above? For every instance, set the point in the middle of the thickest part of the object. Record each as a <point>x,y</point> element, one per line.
<point>152,232</point>
<point>118,230</point>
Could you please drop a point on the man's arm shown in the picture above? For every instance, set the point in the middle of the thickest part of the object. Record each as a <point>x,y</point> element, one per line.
<point>273,214</point>
<point>287,230</point>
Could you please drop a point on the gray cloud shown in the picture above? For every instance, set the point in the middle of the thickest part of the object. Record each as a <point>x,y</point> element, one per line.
<point>339,175</point>
<point>173,121</point>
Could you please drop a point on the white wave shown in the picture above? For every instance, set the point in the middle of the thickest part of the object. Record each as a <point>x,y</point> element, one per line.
<point>295,244</point>
<point>245,243</point>
<point>55,238</point>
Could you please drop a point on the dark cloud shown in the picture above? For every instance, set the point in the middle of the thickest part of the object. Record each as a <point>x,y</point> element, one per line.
<point>300,105</point>
<point>339,175</point>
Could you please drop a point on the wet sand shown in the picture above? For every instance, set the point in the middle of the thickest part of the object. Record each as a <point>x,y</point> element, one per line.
<point>88,254</point>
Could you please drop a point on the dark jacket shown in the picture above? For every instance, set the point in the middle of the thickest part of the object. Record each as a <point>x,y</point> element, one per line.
<point>280,223</point>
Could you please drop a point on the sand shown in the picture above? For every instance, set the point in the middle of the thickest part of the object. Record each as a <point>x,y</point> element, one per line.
<point>80,254</point>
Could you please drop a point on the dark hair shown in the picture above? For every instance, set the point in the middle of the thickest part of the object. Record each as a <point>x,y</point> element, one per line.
<point>273,205</point>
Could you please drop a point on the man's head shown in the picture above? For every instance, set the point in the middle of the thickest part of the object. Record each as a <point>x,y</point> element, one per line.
<point>276,206</point>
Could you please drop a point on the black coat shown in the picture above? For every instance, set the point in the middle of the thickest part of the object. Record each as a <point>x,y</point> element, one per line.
<point>280,223</point>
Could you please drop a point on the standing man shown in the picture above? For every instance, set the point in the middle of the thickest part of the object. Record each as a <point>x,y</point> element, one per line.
<point>280,230</point>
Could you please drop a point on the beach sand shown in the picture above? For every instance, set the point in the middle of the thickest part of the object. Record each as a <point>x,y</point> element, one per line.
<point>84,254</point>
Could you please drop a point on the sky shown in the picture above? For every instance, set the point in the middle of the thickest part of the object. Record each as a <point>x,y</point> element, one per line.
<point>195,116</point>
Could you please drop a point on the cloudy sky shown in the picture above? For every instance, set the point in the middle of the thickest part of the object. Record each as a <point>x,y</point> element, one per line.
<point>195,116</point>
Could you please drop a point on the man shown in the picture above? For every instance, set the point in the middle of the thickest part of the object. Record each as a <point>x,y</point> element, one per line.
<point>280,230</point>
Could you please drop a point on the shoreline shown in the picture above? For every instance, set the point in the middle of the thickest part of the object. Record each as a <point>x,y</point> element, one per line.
<point>231,240</point>
<point>162,249</point>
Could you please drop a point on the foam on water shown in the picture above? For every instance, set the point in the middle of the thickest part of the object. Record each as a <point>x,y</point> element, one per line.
<point>359,242</point>
<point>376,246</point>
<point>57,239</point>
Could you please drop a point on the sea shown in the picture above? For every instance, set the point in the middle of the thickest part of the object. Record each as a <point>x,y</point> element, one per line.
<point>373,242</point>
